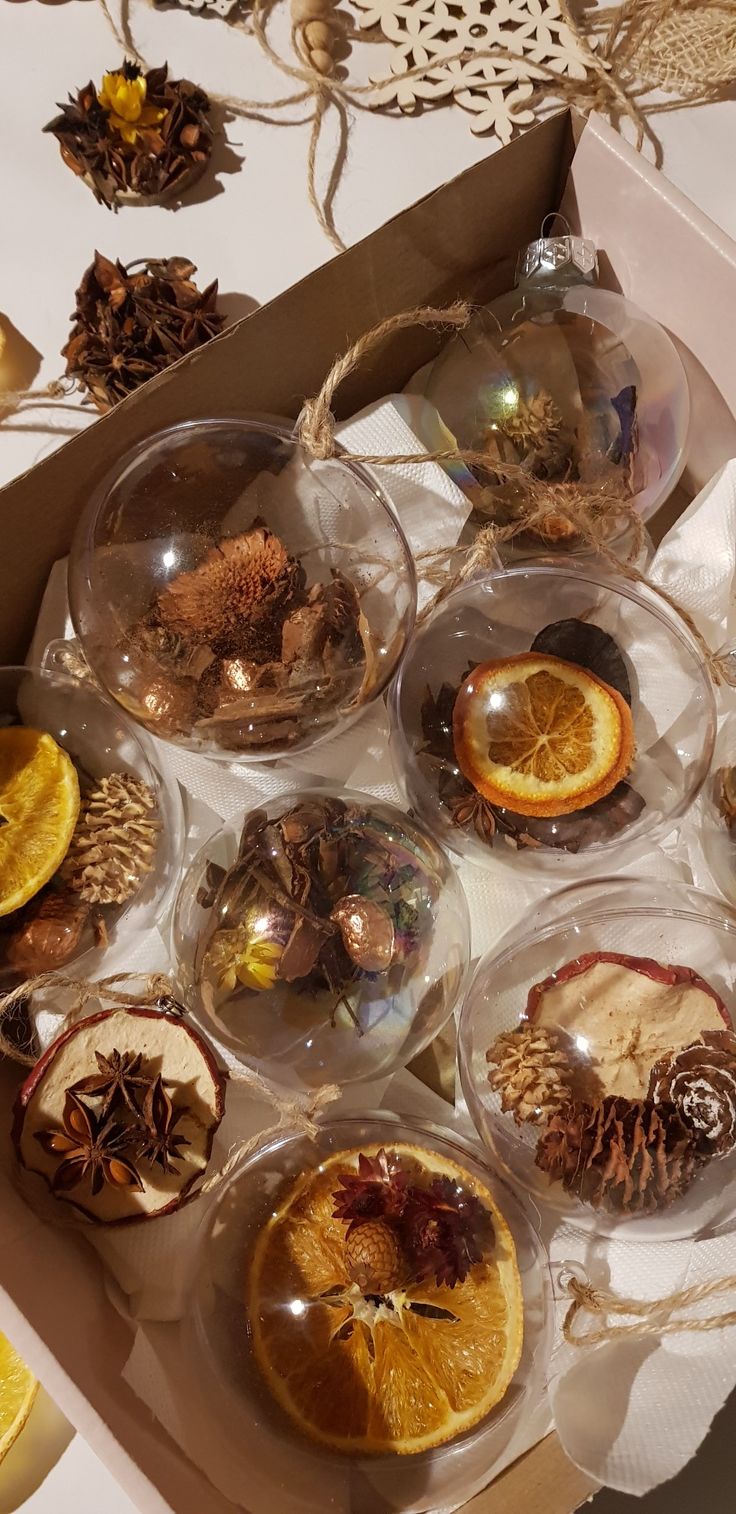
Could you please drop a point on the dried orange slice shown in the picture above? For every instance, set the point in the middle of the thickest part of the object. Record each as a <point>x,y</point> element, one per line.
<point>368,1377</point>
<point>540,735</point>
<point>39,805</point>
<point>18,1388</point>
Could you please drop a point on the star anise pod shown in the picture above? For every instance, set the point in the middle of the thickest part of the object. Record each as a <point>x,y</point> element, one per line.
<point>158,1142</point>
<point>129,326</point>
<point>378,1188</point>
<point>116,1081</point>
<point>89,1148</point>
<point>473,810</point>
<point>447,1231</point>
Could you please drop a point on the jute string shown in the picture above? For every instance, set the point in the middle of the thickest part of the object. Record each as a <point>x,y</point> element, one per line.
<point>588,513</point>
<point>653,1316</point>
<point>155,991</point>
<point>600,89</point>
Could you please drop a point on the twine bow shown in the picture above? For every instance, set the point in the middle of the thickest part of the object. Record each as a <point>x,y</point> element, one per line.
<point>653,1316</point>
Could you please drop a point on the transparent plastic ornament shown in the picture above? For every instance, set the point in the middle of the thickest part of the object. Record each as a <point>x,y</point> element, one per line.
<point>78,914</point>
<point>574,383</point>
<point>329,942</point>
<point>623,636</point>
<point>598,1057</point>
<point>284,1467</point>
<point>236,596</point>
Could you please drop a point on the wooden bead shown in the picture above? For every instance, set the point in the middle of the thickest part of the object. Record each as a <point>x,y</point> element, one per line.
<point>322,61</point>
<point>317,34</point>
<point>309,10</point>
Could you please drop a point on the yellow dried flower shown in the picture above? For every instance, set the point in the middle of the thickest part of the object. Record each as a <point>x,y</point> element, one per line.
<point>124,99</point>
<point>237,956</point>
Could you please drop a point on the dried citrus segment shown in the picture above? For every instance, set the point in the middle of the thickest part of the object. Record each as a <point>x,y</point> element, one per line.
<point>540,735</point>
<point>363,1375</point>
<point>39,805</point>
<point>18,1388</point>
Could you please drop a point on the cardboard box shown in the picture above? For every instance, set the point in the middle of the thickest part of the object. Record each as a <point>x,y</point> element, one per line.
<point>461,240</point>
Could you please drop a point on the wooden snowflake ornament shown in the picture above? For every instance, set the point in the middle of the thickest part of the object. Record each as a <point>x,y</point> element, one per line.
<point>496,90</point>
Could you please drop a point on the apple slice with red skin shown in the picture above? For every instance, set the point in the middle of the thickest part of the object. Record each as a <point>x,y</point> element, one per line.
<point>622,1025</point>
<point>168,1047</point>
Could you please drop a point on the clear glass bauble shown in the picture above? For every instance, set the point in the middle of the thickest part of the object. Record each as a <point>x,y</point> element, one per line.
<point>626,637</point>
<point>284,1468</point>
<point>236,596</point>
<point>571,381</point>
<point>328,942</point>
<point>598,1057</point>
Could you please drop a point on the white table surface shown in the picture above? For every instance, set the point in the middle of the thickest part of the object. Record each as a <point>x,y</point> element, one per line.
<point>256,234</point>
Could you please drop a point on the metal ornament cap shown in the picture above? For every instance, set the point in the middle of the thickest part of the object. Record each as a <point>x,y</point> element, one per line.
<point>548,257</point>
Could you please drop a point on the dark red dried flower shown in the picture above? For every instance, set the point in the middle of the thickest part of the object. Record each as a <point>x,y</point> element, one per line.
<point>442,1229</point>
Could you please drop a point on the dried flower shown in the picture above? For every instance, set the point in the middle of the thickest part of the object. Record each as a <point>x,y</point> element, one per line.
<point>531,1071</point>
<point>626,1156</point>
<point>89,1149</point>
<point>140,136</point>
<point>129,326</point>
<point>238,956</point>
<point>441,1230</point>
<point>158,1142</point>
<point>227,597</point>
<point>117,1082</point>
<point>114,843</point>
<point>123,98</point>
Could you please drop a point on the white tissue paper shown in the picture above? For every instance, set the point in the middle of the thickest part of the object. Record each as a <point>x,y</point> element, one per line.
<point>629,1415</point>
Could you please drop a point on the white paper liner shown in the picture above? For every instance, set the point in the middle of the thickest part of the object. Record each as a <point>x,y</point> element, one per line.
<point>629,1415</point>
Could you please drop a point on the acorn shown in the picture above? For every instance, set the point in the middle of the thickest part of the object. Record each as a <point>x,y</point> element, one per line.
<point>374,1257</point>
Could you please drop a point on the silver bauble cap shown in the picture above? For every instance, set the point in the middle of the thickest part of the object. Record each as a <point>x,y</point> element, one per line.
<point>548,256</point>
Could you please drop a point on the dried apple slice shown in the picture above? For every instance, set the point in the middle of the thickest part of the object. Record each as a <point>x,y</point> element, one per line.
<point>541,736</point>
<point>120,1113</point>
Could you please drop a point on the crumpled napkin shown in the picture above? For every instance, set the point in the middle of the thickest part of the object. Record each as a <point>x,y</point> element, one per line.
<point>615,1407</point>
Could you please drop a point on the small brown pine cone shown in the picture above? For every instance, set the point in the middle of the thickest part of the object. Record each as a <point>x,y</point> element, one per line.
<point>532,1070</point>
<point>374,1257</point>
<point>114,844</point>
<point>625,1156</point>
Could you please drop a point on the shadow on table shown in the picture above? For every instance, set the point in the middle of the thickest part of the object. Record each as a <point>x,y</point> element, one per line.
<point>36,1451</point>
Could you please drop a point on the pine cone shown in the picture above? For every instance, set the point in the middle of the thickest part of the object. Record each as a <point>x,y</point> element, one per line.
<point>532,1073</point>
<point>113,846</point>
<point>625,1156</point>
<point>373,1257</point>
<point>129,326</point>
<point>700,1081</point>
